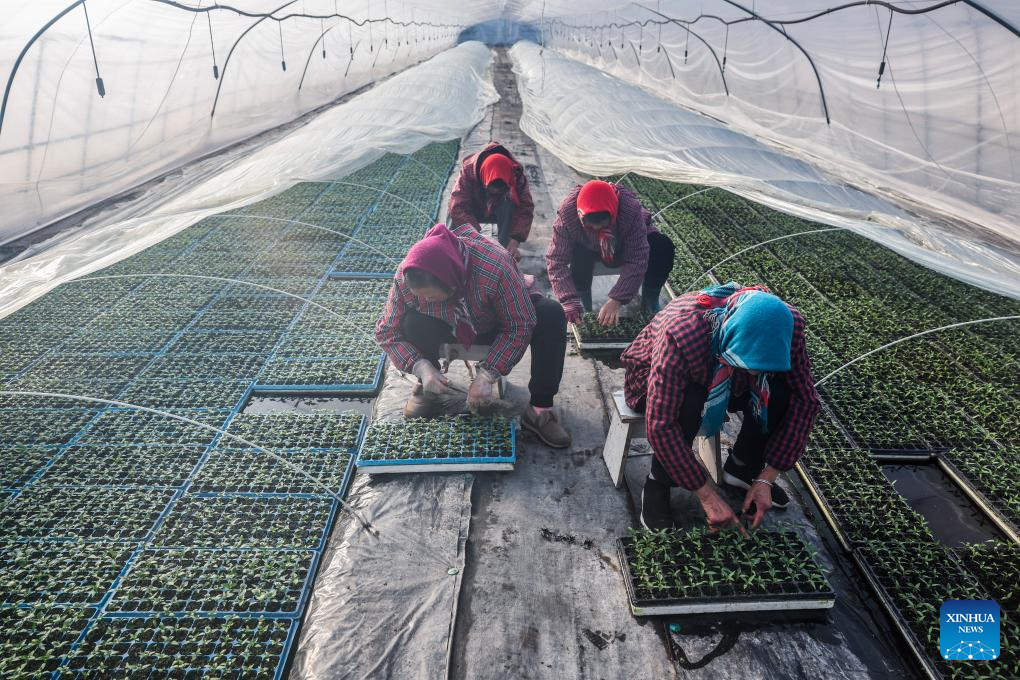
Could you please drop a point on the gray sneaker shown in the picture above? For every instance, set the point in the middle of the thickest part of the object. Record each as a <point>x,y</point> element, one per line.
<point>547,427</point>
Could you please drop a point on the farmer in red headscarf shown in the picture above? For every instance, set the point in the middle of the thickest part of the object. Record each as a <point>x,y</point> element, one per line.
<point>602,221</point>
<point>457,286</point>
<point>492,187</point>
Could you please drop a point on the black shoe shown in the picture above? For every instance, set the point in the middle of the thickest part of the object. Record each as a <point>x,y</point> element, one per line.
<point>738,476</point>
<point>655,512</point>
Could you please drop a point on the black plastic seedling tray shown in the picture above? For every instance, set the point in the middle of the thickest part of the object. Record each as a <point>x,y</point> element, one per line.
<point>723,598</point>
<point>593,338</point>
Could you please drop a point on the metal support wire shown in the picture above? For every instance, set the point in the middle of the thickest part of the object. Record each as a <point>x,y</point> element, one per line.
<point>212,48</point>
<point>885,51</point>
<point>283,57</point>
<point>88,25</point>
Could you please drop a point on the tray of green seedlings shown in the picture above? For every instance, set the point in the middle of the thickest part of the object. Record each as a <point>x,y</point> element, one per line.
<point>19,463</point>
<point>182,394</point>
<point>354,375</point>
<point>247,521</point>
<point>312,453</point>
<point>365,265</point>
<point>225,342</point>
<point>859,501</point>
<point>148,466</point>
<point>452,443</point>
<point>911,581</point>
<point>68,573</point>
<point>82,513</point>
<point>40,426</point>
<point>215,581</point>
<point>205,367</point>
<point>183,646</point>
<point>249,312</point>
<point>677,572</point>
<point>119,427</point>
<point>996,565</point>
<point>590,335</point>
<point>34,640</point>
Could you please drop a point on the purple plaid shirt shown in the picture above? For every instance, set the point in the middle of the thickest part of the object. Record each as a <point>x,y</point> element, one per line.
<point>633,224</point>
<point>497,298</point>
<point>675,350</point>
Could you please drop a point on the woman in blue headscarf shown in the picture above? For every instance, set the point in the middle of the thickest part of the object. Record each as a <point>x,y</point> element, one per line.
<point>724,349</point>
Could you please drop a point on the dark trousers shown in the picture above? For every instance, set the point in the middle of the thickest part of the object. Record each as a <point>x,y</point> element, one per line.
<point>503,214</point>
<point>660,264</point>
<point>548,344</point>
<point>750,445</point>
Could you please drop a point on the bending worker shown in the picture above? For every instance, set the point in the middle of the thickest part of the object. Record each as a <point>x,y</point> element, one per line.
<point>601,221</point>
<point>492,187</point>
<point>724,349</point>
<point>457,286</point>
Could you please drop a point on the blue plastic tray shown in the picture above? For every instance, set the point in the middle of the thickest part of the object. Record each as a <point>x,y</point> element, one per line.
<point>363,389</point>
<point>457,464</point>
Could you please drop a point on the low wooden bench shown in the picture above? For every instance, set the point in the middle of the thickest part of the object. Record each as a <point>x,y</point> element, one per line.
<point>450,352</point>
<point>627,424</point>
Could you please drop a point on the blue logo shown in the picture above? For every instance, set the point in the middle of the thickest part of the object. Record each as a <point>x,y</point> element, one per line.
<point>969,630</point>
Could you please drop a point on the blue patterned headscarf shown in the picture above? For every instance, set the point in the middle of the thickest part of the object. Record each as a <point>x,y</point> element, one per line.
<point>752,329</point>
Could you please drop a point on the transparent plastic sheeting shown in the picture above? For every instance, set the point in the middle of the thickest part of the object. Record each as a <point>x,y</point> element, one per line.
<point>64,147</point>
<point>607,125</point>
<point>939,130</point>
<point>438,100</point>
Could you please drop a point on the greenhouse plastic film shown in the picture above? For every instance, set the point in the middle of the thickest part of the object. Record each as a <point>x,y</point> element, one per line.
<point>169,84</point>
<point>437,100</point>
<point>609,126</point>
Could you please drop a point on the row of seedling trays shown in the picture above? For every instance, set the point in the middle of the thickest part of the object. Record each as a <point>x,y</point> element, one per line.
<point>135,544</point>
<point>894,550</point>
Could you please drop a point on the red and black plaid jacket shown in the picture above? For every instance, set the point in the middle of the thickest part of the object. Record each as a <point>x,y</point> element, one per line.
<point>675,350</point>
<point>497,298</point>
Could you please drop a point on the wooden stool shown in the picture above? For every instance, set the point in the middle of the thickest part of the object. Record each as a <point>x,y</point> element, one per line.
<point>450,352</point>
<point>626,424</point>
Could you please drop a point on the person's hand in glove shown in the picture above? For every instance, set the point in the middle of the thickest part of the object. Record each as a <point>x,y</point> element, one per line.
<point>480,393</point>
<point>432,381</point>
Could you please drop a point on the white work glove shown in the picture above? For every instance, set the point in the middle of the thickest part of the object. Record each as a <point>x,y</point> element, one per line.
<point>480,392</point>
<point>432,381</point>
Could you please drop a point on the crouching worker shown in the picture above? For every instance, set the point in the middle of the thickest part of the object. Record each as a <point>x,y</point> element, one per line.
<point>601,221</point>
<point>724,349</point>
<point>492,187</point>
<point>457,286</point>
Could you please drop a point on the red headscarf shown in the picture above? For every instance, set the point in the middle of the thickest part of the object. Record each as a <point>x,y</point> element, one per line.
<point>597,196</point>
<point>439,253</point>
<point>497,166</point>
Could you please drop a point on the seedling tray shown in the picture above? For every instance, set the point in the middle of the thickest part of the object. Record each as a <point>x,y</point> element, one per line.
<point>719,553</point>
<point>281,375</point>
<point>247,521</point>
<point>169,645</point>
<point>33,640</point>
<point>215,581</point>
<point>589,336</point>
<point>450,444</point>
<point>70,573</point>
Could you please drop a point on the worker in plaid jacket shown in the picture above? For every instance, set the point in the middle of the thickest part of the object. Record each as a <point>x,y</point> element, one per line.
<point>724,349</point>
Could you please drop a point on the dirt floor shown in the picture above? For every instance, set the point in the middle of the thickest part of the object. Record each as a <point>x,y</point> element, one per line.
<point>497,575</point>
